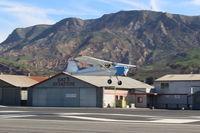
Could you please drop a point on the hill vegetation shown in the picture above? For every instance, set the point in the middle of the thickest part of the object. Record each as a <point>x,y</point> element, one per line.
<point>181,63</point>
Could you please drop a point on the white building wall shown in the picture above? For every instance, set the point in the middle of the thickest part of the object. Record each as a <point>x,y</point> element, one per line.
<point>134,97</point>
<point>141,99</point>
<point>109,97</point>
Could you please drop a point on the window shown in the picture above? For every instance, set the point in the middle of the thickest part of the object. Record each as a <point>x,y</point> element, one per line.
<point>164,85</point>
<point>139,99</point>
<point>24,94</point>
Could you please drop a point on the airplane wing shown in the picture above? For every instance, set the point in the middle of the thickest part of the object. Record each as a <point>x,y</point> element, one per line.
<point>128,65</point>
<point>95,61</point>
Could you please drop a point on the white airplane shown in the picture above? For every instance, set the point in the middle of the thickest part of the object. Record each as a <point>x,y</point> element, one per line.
<point>99,68</point>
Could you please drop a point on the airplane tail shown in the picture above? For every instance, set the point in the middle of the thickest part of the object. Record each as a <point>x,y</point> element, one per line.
<point>72,67</point>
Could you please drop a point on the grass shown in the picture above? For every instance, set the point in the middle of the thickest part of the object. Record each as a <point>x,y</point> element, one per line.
<point>101,36</point>
<point>27,56</point>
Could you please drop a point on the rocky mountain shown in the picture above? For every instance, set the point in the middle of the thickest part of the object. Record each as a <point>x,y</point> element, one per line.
<point>137,37</point>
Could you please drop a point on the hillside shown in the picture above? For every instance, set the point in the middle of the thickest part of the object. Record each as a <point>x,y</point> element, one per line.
<point>184,62</point>
<point>13,67</point>
<point>138,37</point>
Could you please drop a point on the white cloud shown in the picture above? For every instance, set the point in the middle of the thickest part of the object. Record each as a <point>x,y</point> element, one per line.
<point>31,15</point>
<point>195,2</point>
<point>191,2</point>
<point>136,4</point>
<point>154,5</point>
<point>133,3</point>
<point>26,14</point>
<point>87,11</point>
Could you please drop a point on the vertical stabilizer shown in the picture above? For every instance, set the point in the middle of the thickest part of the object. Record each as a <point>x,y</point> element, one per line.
<point>72,67</point>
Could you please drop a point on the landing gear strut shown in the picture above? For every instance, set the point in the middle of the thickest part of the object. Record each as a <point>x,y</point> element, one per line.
<point>109,81</point>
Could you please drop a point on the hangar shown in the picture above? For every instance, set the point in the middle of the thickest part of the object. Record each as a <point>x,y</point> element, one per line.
<point>13,88</point>
<point>67,90</point>
<point>175,91</point>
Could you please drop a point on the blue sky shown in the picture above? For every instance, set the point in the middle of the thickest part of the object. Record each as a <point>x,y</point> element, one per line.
<point>23,13</point>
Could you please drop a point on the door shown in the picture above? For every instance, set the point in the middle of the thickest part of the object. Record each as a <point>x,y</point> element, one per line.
<point>88,97</point>
<point>71,97</point>
<point>54,97</point>
<point>39,97</point>
<point>196,100</point>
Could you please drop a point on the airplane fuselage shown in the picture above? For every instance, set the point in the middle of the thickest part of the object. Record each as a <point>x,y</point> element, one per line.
<point>99,71</point>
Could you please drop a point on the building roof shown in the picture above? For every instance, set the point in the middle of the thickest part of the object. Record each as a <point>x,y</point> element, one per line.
<point>21,80</point>
<point>180,77</point>
<point>101,81</point>
<point>38,79</point>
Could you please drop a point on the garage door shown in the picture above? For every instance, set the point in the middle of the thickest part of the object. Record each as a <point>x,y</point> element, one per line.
<point>71,97</point>
<point>39,97</point>
<point>54,97</point>
<point>68,97</point>
<point>88,97</point>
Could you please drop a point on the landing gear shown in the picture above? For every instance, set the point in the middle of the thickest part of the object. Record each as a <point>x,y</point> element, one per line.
<point>119,82</point>
<point>109,81</point>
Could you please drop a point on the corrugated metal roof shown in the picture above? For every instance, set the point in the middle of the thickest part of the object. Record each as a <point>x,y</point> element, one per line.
<point>180,77</point>
<point>101,81</point>
<point>21,80</point>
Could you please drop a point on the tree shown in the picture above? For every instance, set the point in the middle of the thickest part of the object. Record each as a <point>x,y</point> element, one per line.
<point>149,80</point>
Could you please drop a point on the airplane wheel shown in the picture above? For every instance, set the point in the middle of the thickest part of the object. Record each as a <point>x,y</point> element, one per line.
<point>109,81</point>
<point>119,82</point>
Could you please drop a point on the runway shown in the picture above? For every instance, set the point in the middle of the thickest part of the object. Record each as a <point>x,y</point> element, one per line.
<point>30,119</point>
